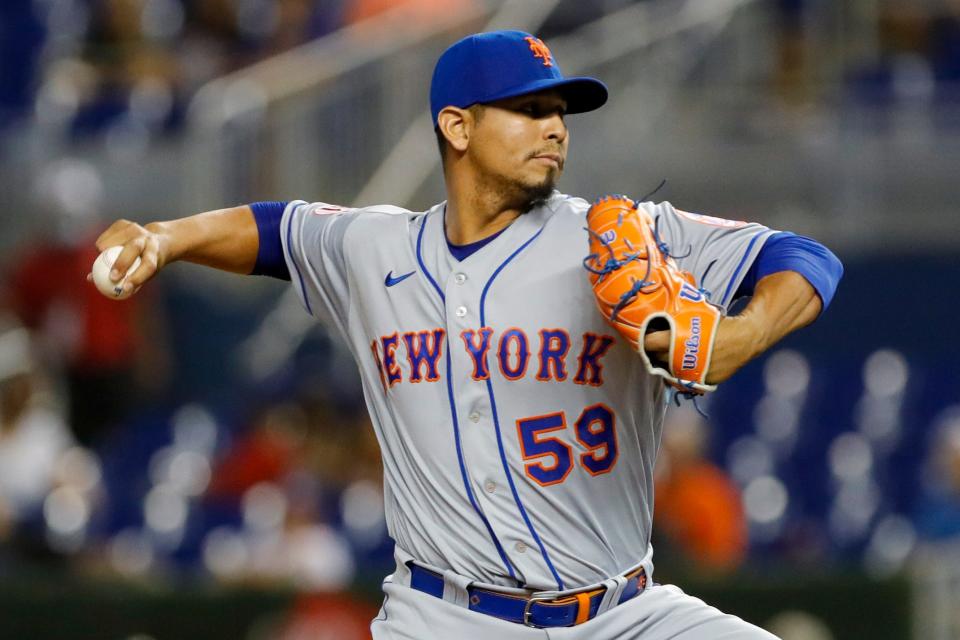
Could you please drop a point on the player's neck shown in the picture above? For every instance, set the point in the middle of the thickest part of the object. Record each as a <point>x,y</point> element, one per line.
<point>474,225</point>
<point>477,214</point>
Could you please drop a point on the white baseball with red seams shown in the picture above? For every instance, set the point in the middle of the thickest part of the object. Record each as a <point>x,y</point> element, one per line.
<point>101,274</point>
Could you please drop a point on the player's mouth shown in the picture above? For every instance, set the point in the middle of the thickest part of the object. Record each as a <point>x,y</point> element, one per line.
<point>550,158</point>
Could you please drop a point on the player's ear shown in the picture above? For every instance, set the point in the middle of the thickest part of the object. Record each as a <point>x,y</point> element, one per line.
<point>454,124</point>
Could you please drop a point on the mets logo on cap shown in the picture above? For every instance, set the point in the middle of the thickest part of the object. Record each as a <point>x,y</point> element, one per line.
<point>540,50</point>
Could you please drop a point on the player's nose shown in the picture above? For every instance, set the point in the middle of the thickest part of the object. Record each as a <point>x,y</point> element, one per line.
<point>555,128</point>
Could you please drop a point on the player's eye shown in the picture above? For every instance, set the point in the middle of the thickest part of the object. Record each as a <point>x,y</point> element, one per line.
<point>537,110</point>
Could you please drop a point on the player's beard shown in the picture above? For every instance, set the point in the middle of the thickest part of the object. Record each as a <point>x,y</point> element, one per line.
<point>526,195</point>
<point>538,194</point>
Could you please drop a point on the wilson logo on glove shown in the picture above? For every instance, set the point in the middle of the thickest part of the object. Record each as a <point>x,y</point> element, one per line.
<point>692,346</point>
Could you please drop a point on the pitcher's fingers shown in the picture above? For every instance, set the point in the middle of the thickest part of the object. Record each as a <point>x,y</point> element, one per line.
<point>119,233</point>
<point>147,269</point>
<point>131,251</point>
<point>657,342</point>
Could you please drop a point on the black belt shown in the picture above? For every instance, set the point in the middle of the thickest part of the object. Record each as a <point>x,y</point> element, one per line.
<point>531,610</point>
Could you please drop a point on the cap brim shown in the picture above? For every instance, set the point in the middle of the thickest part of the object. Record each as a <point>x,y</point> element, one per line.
<point>582,94</point>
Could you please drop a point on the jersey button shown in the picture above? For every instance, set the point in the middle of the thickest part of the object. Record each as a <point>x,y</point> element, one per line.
<point>520,547</point>
<point>460,278</point>
<point>461,311</point>
<point>490,486</point>
<point>474,417</point>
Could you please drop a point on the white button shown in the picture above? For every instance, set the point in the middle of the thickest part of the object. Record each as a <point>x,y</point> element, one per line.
<point>474,417</point>
<point>461,311</point>
<point>460,278</point>
<point>520,547</point>
<point>490,486</point>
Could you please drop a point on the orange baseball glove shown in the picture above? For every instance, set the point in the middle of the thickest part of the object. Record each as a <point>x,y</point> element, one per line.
<point>640,289</point>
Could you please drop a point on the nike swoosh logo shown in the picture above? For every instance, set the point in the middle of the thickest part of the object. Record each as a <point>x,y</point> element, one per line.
<point>390,280</point>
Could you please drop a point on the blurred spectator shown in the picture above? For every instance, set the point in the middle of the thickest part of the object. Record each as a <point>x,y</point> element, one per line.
<point>112,353</point>
<point>945,50</point>
<point>289,442</point>
<point>344,449</point>
<point>424,10</point>
<point>792,73</point>
<point>136,73</point>
<point>268,453</point>
<point>127,68</point>
<point>33,436</point>
<point>323,617</point>
<point>899,71</point>
<point>938,514</point>
<point>287,503</point>
<point>298,21</point>
<point>19,53</point>
<point>798,625</point>
<point>698,508</point>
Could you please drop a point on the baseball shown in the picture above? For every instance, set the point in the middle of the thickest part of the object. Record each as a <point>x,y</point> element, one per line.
<point>101,274</point>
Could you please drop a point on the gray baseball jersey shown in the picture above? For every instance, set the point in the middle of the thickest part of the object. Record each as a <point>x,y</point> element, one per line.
<point>518,430</point>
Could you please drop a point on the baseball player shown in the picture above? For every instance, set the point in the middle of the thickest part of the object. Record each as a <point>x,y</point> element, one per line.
<point>518,429</point>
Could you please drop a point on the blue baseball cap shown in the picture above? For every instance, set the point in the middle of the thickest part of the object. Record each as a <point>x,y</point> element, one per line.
<point>492,66</point>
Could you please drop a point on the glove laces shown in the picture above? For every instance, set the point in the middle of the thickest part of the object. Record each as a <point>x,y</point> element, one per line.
<point>688,396</point>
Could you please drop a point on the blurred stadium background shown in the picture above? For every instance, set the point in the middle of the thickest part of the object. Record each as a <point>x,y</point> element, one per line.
<point>197,462</point>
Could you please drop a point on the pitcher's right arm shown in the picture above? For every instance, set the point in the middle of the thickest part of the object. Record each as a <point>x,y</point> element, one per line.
<point>225,239</point>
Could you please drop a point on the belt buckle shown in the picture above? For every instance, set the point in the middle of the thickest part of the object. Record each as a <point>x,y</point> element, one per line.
<point>526,608</point>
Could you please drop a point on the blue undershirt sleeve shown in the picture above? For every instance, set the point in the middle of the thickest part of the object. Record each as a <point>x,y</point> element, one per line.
<point>270,261</point>
<point>786,251</point>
